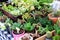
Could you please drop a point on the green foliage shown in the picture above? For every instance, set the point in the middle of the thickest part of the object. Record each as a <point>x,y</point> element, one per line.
<point>58,32</point>
<point>45,21</point>
<point>57,13</point>
<point>49,28</point>
<point>46,1</point>
<point>56,37</point>
<point>8,21</point>
<point>24,5</point>
<point>12,10</point>
<point>1,14</point>
<point>41,30</point>
<point>28,27</point>
<point>26,16</point>
<point>18,25</point>
<point>32,20</point>
<point>44,6</point>
<point>56,27</point>
<point>42,3</point>
<point>2,26</point>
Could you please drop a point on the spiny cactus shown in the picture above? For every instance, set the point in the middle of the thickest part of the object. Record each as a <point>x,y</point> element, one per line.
<point>48,34</point>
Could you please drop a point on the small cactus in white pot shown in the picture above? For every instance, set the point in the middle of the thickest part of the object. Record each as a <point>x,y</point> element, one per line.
<point>48,35</point>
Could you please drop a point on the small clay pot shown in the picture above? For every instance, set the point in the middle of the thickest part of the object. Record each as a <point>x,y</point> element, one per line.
<point>54,19</point>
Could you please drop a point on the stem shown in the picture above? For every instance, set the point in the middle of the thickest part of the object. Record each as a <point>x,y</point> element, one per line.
<point>17,30</point>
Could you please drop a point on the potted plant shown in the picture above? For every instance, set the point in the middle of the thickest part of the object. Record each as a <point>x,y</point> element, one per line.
<point>41,31</point>
<point>48,36</point>
<point>54,17</point>
<point>8,23</point>
<point>17,31</point>
<point>58,22</point>
<point>57,32</point>
<point>57,36</point>
<point>28,27</point>
<point>11,10</point>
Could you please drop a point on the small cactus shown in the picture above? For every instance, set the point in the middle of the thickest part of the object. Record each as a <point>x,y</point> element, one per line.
<point>48,34</point>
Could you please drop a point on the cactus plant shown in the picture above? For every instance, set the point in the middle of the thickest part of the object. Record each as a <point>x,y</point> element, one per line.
<point>49,34</point>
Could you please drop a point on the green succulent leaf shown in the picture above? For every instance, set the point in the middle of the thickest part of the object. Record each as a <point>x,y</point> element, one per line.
<point>18,25</point>
<point>28,27</point>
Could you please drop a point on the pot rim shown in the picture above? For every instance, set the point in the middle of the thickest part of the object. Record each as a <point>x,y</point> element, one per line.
<point>18,34</point>
<point>50,16</point>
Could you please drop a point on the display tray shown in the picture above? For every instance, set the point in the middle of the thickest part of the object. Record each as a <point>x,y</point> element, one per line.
<point>8,15</point>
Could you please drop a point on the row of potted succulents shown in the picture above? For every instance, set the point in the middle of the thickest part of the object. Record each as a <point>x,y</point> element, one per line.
<point>33,32</point>
<point>34,26</point>
<point>34,22</point>
<point>27,27</point>
<point>56,35</point>
<point>23,6</point>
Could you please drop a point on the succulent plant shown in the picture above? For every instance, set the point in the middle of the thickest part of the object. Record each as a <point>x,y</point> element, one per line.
<point>28,27</point>
<point>57,14</point>
<point>8,20</point>
<point>26,16</point>
<point>49,34</point>
<point>41,30</point>
<point>16,26</point>
<point>58,32</point>
<point>56,28</point>
<point>56,37</point>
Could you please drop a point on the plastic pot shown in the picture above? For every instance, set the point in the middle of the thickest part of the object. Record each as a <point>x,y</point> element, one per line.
<point>17,36</point>
<point>48,39</point>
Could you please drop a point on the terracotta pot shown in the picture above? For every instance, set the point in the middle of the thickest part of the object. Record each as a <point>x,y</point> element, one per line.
<point>54,19</point>
<point>16,37</point>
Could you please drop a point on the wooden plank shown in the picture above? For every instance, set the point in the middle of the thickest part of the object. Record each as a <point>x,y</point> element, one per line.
<point>43,37</point>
